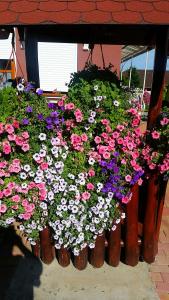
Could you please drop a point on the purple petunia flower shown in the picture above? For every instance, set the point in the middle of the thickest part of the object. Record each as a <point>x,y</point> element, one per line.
<point>48,120</point>
<point>28,88</point>
<point>56,122</point>
<point>25,121</point>
<point>40,117</point>
<point>49,126</point>
<point>39,91</point>
<point>51,105</point>
<point>29,109</point>
<point>116,154</point>
<point>54,114</point>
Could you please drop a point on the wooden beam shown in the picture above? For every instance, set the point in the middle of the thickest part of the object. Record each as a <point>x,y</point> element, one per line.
<point>158,76</point>
<point>31,54</point>
<point>88,33</point>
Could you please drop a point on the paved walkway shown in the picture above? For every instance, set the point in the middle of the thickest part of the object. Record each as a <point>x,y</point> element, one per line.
<point>159,270</point>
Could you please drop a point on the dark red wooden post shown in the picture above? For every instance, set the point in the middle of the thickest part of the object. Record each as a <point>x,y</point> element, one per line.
<point>131,229</point>
<point>162,192</point>
<point>114,246</point>
<point>36,249</point>
<point>149,228</point>
<point>150,222</point>
<point>80,261</point>
<point>158,76</point>
<point>46,249</point>
<point>97,254</point>
<point>63,257</point>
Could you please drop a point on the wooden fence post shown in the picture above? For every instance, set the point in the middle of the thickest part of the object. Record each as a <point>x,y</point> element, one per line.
<point>149,228</point>
<point>63,257</point>
<point>46,249</point>
<point>97,254</point>
<point>131,229</point>
<point>114,246</point>
<point>80,261</point>
<point>36,249</point>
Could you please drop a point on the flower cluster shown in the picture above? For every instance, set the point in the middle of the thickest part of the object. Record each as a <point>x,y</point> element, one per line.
<point>155,152</point>
<point>83,155</point>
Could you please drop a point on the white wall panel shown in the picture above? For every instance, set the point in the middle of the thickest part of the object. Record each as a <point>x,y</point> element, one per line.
<point>5,48</point>
<point>56,62</point>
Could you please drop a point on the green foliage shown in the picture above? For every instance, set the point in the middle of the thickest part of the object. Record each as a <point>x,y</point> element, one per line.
<point>8,103</point>
<point>88,95</point>
<point>135,78</point>
<point>92,72</point>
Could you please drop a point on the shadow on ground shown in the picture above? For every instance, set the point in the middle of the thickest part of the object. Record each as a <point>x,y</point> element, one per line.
<point>20,273</point>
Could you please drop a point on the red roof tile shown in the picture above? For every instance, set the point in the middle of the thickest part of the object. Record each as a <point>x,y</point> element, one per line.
<point>84,11</point>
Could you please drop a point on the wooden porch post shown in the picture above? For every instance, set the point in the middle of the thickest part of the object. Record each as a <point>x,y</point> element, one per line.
<point>152,217</point>
<point>158,76</point>
<point>31,54</point>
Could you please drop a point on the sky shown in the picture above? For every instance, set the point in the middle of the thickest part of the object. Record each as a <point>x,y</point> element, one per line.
<point>139,62</point>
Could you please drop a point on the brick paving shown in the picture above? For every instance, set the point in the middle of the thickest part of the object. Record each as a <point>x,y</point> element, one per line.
<point>159,270</point>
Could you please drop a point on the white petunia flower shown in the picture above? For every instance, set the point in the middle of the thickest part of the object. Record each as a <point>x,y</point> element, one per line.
<point>26,168</point>
<point>42,153</point>
<point>91,245</point>
<point>91,161</point>
<point>36,156</point>
<point>38,179</point>
<point>20,87</point>
<point>23,175</point>
<point>42,136</point>
<point>116,103</point>
<point>24,185</point>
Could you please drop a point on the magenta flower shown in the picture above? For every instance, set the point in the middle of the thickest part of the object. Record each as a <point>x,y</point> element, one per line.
<point>155,135</point>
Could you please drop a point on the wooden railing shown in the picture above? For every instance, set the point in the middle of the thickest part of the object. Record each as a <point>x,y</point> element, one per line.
<point>134,239</point>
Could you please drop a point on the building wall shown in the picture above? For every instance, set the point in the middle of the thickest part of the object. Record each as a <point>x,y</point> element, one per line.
<point>111,53</point>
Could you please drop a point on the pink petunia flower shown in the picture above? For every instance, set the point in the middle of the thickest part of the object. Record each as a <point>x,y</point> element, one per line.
<point>164,121</point>
<point>3,208</point>
<point>25,135</point>
<point>1,128</point>
<point>44,166</point>
<point>84,137</point>
<point>90,186</point>
<point>16,198</point>
<point>25,147</point>
<point>15,124</point>
<point>106,155</point>
<point>7,192</point>
<point>70,106</point>
<point>9,128</point>
<point>86,196</point>
<point>125,200</point>
<point>105,122</point>
<point>91,173</point>
<point>11,137</point>
<point>97,140</point>
<point>155,135</point>
<point>128,178</point>
<point>6,148</point>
